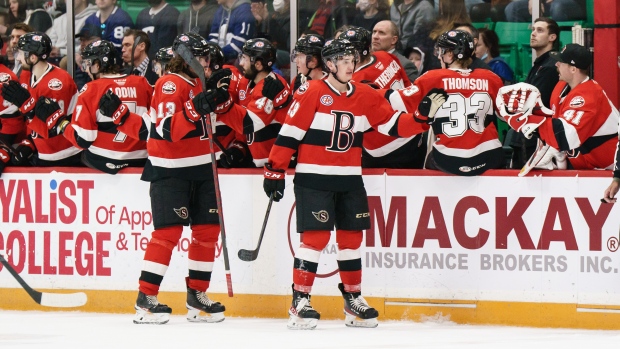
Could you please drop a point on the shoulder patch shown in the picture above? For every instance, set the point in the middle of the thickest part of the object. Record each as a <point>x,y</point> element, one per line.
<point>327,100</point>
<point>4,77</point>
<point>577,102</point>
<point>242,95</point>
<point>303,88</point>
<point>169,88</point>
<point>55,84</point>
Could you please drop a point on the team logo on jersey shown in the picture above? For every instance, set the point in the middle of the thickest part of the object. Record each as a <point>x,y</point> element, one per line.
<point>169,88</point>
<point>577,102</point>
<point>54,84</point>
<point>327,100</point>
<point>303,88</point>
<point>4,77</point>
<point>242,95</point>
<point>321,216</point>
<point>181,212</point>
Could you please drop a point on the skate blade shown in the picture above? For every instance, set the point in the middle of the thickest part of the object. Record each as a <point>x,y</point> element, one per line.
<point>146,317</point>
<point>298,323</point>
<point>196,315</point>
<point>354,321</point>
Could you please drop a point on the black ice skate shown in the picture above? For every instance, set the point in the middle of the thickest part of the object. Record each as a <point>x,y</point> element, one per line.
<point>301,314</point>
<point>357,312</point>
<point>150,311</point>
<point>201,309</point>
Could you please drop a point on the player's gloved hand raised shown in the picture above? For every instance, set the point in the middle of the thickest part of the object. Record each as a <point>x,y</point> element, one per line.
<point>15,93</point>
<point>219,78</point>
<point>23,153</point>
<point>429,105</point>
<point>220,99</point>
<point>5,155</point>
<point>275,91</point>
<point>273,184</point>
<point>234,155</point>
<point>48,111</point>
<point>110,105</point>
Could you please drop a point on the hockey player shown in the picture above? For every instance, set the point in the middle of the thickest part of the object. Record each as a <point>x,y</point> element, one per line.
<point>307,58</point>
<point>325,124</point>
<point>11,121</point>
<point>95,128</point>
<point>582,122</point>
<point>162,58</point>
<point>467,142</point>
<point>383,70</point>
<point>51,94</point>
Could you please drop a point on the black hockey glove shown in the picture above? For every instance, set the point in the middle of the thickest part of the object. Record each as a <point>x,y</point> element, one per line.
<point>5,156</point>
<point>429,105</point>
<point>300,80</point>
<point>48,111</point>
<point>220,98</point>
<point>273,184</point>
<point>18,95</point>
<point>23,153</point>
<point>234,156</point>
<point>112,106</point>
<point>219,78</point>
<point>275,91</point>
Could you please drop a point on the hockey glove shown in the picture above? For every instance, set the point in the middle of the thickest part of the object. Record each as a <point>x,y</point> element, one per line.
<point>18,95</point>
<point>220,98</point>
<point>273,184</point>
<point>5,156</point>
<point>300,80</point>
<point>197,107</point>
<point>525,123</point>
<point>515,99</point>
<point>48,111</point>
<point>275,91</point>
<point>23,153</point>
<point>219,78</point>
<point>112,106</point>
<point>429,105</point>
<point>234,155</point>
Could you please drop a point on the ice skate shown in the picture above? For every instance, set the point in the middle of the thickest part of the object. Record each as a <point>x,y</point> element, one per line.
<point>301,314</point>
<point>150,311</point>
<point>201,309</point>
<point>356,311</point>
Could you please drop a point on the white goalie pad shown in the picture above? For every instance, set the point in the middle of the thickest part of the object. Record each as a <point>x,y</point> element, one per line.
<point>545,158</point>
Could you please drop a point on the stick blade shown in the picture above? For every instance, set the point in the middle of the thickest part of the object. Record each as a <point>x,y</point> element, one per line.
<point>63,300</point>
<point>247,255</point>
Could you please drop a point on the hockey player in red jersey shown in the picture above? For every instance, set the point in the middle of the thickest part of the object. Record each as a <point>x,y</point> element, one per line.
<point>325,125</point>
<point>95,126</point>
<point>50,95</point>
<point>467,142</point>
<point>11,121</point>
<point>582,122</point>
<point>307,59</point>
<point>161,60</point>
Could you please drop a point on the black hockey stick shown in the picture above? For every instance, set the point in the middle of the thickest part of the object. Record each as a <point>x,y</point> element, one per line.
<point>60,300</point>
<point>136,41</point>
<point>189,58</point>
<point>250,255</point>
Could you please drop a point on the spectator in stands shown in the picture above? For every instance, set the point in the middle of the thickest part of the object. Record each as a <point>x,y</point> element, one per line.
<point>232,26</point>
<point>37,17</point>
<point>488,51</point>
<point>279,33</point>
<point>543,75</point>
<point>82,9</point>
<point>113,21</point>
<point>493,9</point>
<point>260,12</point>
<point>410,16</point>
<point>370,13</point>
<point>385,38</point>
<point>416,55</point>
<point>159,21</point>
<point>17,11</point>
<point>332,14</point>
<point>86,36</point>
<point>476,62</point>
<point>19,29</point>
<point>559,10</point>
<point>198,15</point>
<point>449,13</point>
<point>141,64</point>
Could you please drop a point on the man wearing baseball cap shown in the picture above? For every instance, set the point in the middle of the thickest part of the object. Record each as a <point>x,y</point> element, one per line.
<point>582,122</point>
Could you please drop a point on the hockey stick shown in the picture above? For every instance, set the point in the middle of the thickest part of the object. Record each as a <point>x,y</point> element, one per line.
<point>136,41</point>
<point>60,300</point>
<point>250,255</point>
<point>189,58</point>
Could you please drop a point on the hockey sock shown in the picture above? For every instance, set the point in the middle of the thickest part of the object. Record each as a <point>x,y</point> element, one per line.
<point>307,259</point>
<point>349,259</point>
<point>201,255</point>
<point>157,258</point>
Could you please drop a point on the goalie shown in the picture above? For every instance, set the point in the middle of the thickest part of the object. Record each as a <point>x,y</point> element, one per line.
<point>579,132</point>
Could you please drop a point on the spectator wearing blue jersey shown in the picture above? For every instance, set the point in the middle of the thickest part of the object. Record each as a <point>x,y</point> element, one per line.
<point>112,20</point>
<point>159,21</point>
<point>232,26</point>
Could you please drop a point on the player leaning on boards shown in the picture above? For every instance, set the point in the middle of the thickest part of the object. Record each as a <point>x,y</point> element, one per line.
<point>582,124</point>
<point>325,125</point>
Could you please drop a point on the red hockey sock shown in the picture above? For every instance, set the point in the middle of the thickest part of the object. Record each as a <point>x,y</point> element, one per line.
<point>157,258</point>
<point>349,259</point>
<point>307,259</point>
<point>201,255</point>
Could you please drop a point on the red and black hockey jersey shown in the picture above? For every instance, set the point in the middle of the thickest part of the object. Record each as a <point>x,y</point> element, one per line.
<point>327,127</point>
<point>11,120</point>
<point>108,148</point>
<point>467,141</point>
<point>584,123</point>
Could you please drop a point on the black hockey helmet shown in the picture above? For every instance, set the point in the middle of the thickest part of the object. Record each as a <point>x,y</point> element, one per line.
<point>164,55</point>
<point>459,42</point>
<point>337,48</point>
<point>35,43</point>
<point>196,43</point>
<point>216,56</point>
<point>260,49</point>
<point>102,51</point>
<point>360,37</point>
<point>311,44</point>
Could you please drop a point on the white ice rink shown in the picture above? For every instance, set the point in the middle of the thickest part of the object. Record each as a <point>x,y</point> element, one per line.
<point>49,330</point>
